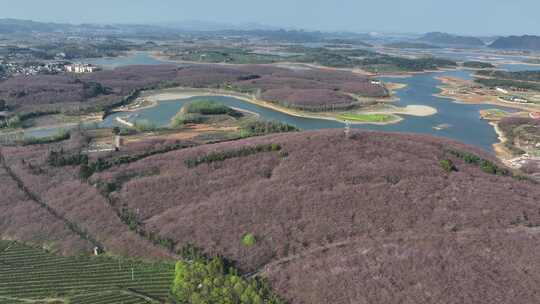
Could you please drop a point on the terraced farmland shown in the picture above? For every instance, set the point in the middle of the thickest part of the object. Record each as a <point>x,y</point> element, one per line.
<point>32,275</point>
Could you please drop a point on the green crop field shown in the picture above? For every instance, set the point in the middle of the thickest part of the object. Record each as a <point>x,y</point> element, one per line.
<point>494,114</point>
<point>30,275</point>
<point>367,117</point>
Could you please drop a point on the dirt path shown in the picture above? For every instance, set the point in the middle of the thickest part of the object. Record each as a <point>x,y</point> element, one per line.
<point>270,267</point>
<point>38,301</point>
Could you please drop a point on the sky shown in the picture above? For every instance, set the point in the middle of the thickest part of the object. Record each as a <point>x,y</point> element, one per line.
<point>471,17</point>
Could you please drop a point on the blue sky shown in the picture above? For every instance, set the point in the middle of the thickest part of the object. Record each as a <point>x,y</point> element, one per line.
<point>478,17</point>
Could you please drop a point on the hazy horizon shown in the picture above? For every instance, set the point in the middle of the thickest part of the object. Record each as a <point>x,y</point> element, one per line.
<point>479,17</point>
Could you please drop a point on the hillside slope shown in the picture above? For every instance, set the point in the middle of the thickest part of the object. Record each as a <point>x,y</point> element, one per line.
<point>52,208</point>
<point>449,39</point>
<point>526,42</point>
<point>373,218</point>
<point>104,89</point>
<point>370,219</point>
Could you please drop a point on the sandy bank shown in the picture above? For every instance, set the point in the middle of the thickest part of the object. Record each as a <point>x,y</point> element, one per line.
<point>124,122</point>
<point>167,96</point>
<point>414,110</point>
<point>183,93</point>
<point>394,86</point>
<point>500,149</point>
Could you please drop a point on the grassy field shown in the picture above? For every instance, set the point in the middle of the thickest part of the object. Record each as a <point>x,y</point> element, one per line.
<point>367,117</point>
<point>30,275</point>
<point>493,114</point>
<point>203,110</point>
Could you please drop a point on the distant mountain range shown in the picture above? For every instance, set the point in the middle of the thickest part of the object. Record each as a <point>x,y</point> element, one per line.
<point>197,25</point>
<point>526,42</point>
<point>410,45</point>
<point>453,40</point>
<point>17,27</point>
<point>428,40</point>
<point>11,26</point>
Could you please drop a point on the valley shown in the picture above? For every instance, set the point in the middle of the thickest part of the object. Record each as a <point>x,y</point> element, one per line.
<point>156,164</point>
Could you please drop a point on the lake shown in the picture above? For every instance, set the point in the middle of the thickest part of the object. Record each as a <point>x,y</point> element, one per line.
<point>462,120</point>
<point>138,58</point>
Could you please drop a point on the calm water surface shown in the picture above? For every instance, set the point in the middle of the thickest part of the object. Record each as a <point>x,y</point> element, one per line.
<point>462,121</point>
<point>140,58</point>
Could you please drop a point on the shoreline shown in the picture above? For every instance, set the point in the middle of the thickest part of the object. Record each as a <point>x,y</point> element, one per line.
<point>152,98</point>
<point>84,119</point>
<point>257,115</point>
<point>291,65</point>
<point>499,149</point>
<point>124,122</point>
<point>486,99</point>
<point>184,93</point>
<point>500,152</point>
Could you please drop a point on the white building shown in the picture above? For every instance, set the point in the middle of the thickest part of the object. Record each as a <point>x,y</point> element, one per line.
<point>80,68</point>
<point>501,90</point>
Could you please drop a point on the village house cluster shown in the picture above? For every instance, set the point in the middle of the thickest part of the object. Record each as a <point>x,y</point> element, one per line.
<point>28,69</point>
<point>10,68</point>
